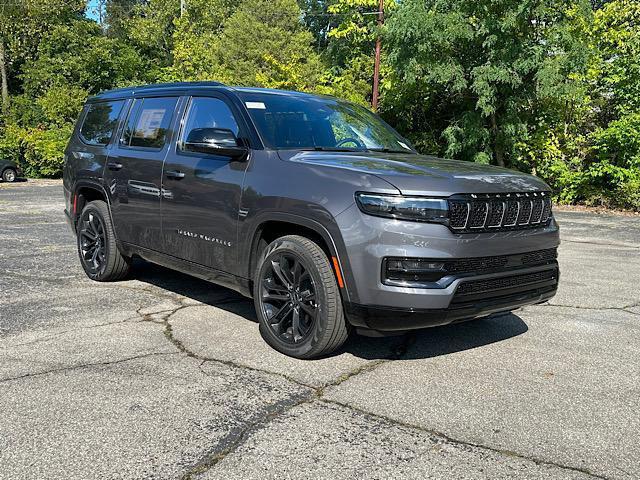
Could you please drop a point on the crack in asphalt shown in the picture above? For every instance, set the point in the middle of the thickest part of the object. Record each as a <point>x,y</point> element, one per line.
<point>582,307</point>
<point>602,244</point>
<point>85,365</point>
<point>240,435</point>
<point>232,441</point>
<point>455,441</point>
<point>77,329</point>
<point>261,419</point>
<point>235,439</point>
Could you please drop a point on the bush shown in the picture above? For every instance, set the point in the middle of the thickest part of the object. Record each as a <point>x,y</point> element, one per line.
<point>39,151</point>
<point>44,150</point>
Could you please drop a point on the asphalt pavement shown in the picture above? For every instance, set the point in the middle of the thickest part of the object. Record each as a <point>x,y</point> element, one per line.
<point>166,376</point>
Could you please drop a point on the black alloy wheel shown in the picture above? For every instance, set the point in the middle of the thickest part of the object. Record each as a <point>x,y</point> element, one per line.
<point>97,247</point>
<point>93,243</point>
<point>288,298</point>
<point>297,299</point>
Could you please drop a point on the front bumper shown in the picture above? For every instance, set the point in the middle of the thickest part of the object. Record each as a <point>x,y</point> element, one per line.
<point>541,286</point>
<point>375,305</point>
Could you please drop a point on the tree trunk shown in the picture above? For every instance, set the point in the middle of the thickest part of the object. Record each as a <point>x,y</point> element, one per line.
<point>498,148</point>
<point>3,74</point>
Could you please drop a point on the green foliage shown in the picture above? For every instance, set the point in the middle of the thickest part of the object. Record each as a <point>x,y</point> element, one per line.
<point>550,87</point>
<point>44,150</point>
<point>79,54</point>
<point>480,65</point>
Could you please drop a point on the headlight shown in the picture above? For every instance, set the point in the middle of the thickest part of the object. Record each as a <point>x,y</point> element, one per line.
<point>421,209</point>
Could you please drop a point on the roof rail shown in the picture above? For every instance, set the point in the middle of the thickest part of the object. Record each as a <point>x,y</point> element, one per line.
<point>180,84</point>
<point>156,86</point>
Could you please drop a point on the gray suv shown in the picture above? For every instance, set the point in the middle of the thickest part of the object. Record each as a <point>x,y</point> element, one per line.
<point>312,206</point>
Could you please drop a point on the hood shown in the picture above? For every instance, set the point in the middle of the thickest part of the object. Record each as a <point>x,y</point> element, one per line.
<point>421,174</point>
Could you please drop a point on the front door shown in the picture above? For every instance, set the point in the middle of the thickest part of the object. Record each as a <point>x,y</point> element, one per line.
<point>134,171</point>
<point>201,192</point>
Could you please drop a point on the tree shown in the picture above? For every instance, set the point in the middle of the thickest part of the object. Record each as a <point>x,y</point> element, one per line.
<point>78,54</point>
<point>22,25</point>
<point>476,67</point>
<point>261,42</point>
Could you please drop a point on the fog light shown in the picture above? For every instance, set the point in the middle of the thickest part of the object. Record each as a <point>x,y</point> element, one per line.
<point>413,270</point>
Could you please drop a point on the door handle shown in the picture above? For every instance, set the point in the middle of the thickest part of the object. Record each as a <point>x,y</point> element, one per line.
<point>174,174</point>
<point>114,166</point>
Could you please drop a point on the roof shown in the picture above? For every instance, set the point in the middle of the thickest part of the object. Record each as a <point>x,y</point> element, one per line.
<point>178,86</point>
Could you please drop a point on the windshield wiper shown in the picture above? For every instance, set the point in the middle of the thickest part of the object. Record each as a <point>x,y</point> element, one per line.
<point>389,150</point>
<point>329,149</point>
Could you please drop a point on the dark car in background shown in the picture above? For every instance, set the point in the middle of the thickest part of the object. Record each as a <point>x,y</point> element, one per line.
<point>9,171</point>
<point>312,206</point>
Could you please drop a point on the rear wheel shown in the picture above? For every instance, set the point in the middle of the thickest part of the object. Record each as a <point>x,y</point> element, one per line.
<point>297,299</point>
<point>9,175</point>
<point>99,254</point>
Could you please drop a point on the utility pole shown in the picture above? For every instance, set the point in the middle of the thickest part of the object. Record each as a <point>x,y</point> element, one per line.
<point>183,7</point>
<point>376,65</point>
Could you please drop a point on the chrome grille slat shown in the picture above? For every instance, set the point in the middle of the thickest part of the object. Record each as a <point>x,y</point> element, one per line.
<point>466,222</point>
<point>495,212</point>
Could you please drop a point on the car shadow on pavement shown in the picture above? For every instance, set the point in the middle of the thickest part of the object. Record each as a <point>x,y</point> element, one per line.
<point>426,343</point>
<point>193,288</point>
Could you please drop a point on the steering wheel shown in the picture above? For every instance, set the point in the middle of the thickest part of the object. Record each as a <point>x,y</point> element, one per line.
<point>344,141</point>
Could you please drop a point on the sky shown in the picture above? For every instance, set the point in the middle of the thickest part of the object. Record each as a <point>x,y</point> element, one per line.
<point>92,9</point>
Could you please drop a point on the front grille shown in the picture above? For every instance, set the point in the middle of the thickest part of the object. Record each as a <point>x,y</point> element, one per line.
<point>494,287</point>
<point>498,212</point>
<point>481,265</point>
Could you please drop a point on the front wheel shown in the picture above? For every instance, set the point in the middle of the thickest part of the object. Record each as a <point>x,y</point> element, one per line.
<point>297,299</point>
<point>99,254</point>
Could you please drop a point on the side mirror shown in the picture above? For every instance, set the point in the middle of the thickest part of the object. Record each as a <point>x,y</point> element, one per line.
<point>215,141</point>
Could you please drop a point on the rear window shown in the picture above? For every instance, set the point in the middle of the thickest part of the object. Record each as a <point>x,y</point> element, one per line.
<point>100,122</point>
<point>149,122</point>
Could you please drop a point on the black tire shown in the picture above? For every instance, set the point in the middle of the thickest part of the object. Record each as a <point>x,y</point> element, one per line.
<point>97,248</point>
<point>9,175</point>
<point>317,333</point>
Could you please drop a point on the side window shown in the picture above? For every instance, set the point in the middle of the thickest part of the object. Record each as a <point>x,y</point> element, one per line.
<point>207,112</point>
<point>148,122</point>
<point>100,121</point>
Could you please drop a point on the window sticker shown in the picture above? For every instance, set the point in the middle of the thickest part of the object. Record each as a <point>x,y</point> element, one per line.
<point>149,123</point>
<point>256,105</point>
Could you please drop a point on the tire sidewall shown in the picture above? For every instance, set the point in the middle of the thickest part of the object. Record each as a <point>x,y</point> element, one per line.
<point>306,347</point>
<point>92,208</point>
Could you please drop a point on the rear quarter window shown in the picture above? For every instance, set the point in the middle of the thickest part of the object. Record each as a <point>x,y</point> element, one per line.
<point>100,122</point>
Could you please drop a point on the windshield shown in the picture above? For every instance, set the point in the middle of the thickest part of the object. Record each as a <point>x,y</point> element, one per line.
<point>319,123</point>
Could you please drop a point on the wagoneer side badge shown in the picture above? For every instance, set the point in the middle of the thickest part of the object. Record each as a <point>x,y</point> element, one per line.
<point>206,238</point>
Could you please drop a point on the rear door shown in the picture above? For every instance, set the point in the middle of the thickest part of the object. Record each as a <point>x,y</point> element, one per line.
<point>201,192</point>
<point>134,170</point>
